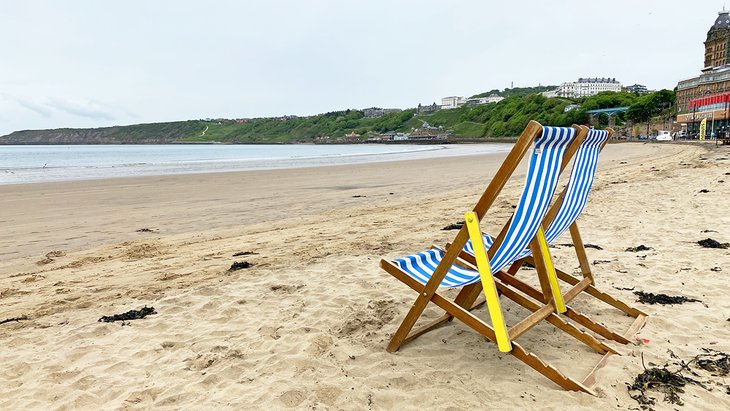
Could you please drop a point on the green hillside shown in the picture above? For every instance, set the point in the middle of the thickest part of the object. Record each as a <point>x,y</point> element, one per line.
<point>506,118</point>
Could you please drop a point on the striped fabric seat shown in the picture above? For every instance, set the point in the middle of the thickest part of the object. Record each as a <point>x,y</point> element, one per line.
<point>576,195</point>
<point>579,185</point>
<point>542,178</point>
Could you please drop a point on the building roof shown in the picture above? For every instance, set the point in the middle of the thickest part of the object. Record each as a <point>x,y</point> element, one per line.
<point>597,80</point>
<point>722,22</point>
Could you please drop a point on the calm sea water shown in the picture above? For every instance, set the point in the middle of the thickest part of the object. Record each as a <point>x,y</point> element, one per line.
<point>31,164</point>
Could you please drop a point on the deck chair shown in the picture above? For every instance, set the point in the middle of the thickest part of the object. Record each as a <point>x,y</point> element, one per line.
<point>426,271</point>
<point>560,218</point>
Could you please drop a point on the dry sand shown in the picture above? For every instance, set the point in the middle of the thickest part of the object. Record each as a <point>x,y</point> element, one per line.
<point>307,325</point>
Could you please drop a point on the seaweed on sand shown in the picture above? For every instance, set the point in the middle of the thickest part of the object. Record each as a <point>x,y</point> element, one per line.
<point>16,319</point>
<point>638,248</point>
<point>129,315</point>
<point>242,253</point>
<point>455,226</point>
<point>672,383</point>
<point>651,298</point>
<point>710,243</point>
<point>237,265</point>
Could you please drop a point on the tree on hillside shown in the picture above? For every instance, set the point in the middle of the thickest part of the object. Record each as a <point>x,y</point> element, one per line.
<point>608,99</point>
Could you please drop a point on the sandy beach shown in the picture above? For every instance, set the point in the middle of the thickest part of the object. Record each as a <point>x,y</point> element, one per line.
<point>305,327</point>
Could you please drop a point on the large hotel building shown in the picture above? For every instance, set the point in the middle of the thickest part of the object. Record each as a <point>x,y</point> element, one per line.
<point>708,95</point>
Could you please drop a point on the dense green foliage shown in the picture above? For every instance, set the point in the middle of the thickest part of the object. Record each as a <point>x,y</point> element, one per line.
<point>650,105</point>
<point>334,125</point>
<point>506,118</point>
<point>516,91</point>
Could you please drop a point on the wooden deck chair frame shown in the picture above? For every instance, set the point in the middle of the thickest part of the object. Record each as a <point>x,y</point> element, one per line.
<point>469,294</point>
<point>456,309</point>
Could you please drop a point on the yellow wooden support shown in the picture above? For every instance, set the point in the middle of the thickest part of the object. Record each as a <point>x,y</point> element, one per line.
<point>490,290</point>
<point>552,276</point>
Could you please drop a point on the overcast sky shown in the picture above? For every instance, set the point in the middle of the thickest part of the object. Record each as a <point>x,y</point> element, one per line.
<point>100,63</point>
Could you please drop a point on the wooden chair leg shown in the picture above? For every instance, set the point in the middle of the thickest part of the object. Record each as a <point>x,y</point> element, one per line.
<point>408,322</point>
<point>580,252</point>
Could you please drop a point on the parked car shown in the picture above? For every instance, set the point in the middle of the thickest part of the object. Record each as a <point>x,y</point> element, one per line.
<point>664,136</point>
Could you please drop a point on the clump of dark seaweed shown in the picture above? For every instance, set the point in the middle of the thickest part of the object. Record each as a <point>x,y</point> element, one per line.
<point>717,363</point>
<point>237,265</point>
<point>455,226</point>
<point>586,245</point>
<point>638,248</point>
<point>672,383</point>
<point>129,315</point>
<point>651,298</point>
<point>710,243</point>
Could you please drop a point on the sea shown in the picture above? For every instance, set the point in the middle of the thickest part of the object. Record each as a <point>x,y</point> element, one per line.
<point>39,163</point>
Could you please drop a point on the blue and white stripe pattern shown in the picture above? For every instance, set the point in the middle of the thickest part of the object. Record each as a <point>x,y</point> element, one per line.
<point>542,178</point>
<point>576,195</point>
<point>422,265</point>
<point>579,185</point>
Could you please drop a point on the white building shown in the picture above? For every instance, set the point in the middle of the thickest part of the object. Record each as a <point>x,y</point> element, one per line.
<point>493,98</point>
<point>585,87</point>
<point>452,102</point>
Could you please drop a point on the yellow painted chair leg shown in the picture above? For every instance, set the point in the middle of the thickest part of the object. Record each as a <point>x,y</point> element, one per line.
<point>552,276</point>
<point>490,290</point>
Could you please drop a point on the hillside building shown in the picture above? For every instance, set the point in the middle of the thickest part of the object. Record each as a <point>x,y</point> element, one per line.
<point>428,108</point>
<point>708,95</point>
<point>492,98</point>
<point>452,102</point>
<point>585,87</point>
<point>636,88</point>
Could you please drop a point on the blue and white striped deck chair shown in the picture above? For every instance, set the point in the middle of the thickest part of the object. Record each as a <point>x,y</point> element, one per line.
<point>542,179</point>
<point>573,200</point>
<point>561,218</point>
<point>426,271</point>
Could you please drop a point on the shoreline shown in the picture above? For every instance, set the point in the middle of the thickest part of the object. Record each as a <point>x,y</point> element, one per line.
<point>139,163</point>
<point>72,211</point>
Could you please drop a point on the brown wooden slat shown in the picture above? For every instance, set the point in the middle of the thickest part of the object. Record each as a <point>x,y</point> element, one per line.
<point>590,379</point>
<point>547,370</point>
<point>636,326</point>
<point>577,289</point>
<point>557,321</point>
<point>580,251</point>
<point>530,321</point>
<point>596,327</point>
